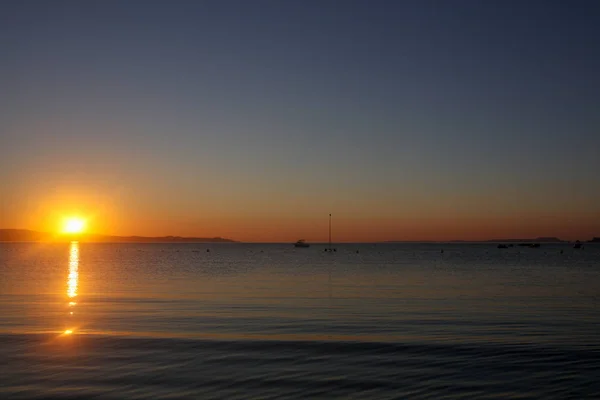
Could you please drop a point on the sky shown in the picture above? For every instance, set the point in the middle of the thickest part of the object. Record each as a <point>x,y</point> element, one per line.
<point>253,120</point>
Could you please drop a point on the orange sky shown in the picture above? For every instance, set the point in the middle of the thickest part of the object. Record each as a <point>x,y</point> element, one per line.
<point>122,213</point>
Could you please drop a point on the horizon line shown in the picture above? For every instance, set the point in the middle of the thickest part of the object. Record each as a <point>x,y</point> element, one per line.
<point>213,239</point>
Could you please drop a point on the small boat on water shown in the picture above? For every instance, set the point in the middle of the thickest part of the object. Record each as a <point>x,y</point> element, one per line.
<point>301,243</point>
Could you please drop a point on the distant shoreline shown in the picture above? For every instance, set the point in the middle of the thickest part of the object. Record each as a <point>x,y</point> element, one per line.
<point>29,236</point>
<point>25,235</point>
<point>499,241</point>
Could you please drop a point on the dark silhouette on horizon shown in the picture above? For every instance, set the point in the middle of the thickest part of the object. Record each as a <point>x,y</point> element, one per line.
<point>25,235</point>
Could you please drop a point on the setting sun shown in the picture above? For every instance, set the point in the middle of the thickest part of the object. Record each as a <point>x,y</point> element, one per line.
<point>74,225</point>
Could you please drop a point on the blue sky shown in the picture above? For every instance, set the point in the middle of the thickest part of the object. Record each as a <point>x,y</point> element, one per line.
<point>196,110</point>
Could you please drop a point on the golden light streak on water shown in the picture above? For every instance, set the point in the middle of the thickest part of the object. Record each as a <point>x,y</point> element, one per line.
<point>73,279</point>
<point>72,282</point>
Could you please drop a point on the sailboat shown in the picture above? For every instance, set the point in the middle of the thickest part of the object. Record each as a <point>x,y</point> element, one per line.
<point>329,248</point>
<point>301,243</point>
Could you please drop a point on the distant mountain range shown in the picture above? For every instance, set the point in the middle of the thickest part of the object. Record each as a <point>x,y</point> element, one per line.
<point>24,235</point>
<point>536,240</point>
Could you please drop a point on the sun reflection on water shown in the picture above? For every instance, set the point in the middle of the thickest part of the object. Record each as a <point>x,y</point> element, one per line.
<point>72,281</point>
<point>73,270</point>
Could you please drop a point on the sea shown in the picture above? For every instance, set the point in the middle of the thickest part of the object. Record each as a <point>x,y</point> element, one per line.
<point>271,321</point>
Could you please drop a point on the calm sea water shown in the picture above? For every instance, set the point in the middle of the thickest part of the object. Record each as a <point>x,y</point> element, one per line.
<point>385,321</point>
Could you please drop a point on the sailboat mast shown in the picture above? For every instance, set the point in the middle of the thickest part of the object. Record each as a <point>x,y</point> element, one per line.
<point>329,232</point>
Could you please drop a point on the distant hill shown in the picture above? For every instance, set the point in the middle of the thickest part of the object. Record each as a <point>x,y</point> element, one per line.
<point>24,235</point>
<point>158,239</point>
<point>537,240</point>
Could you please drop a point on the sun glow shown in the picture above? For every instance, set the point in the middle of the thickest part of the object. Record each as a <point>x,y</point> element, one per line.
<point>74,225</point>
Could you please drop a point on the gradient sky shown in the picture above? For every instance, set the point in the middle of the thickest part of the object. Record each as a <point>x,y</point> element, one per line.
<point>254,120</point>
